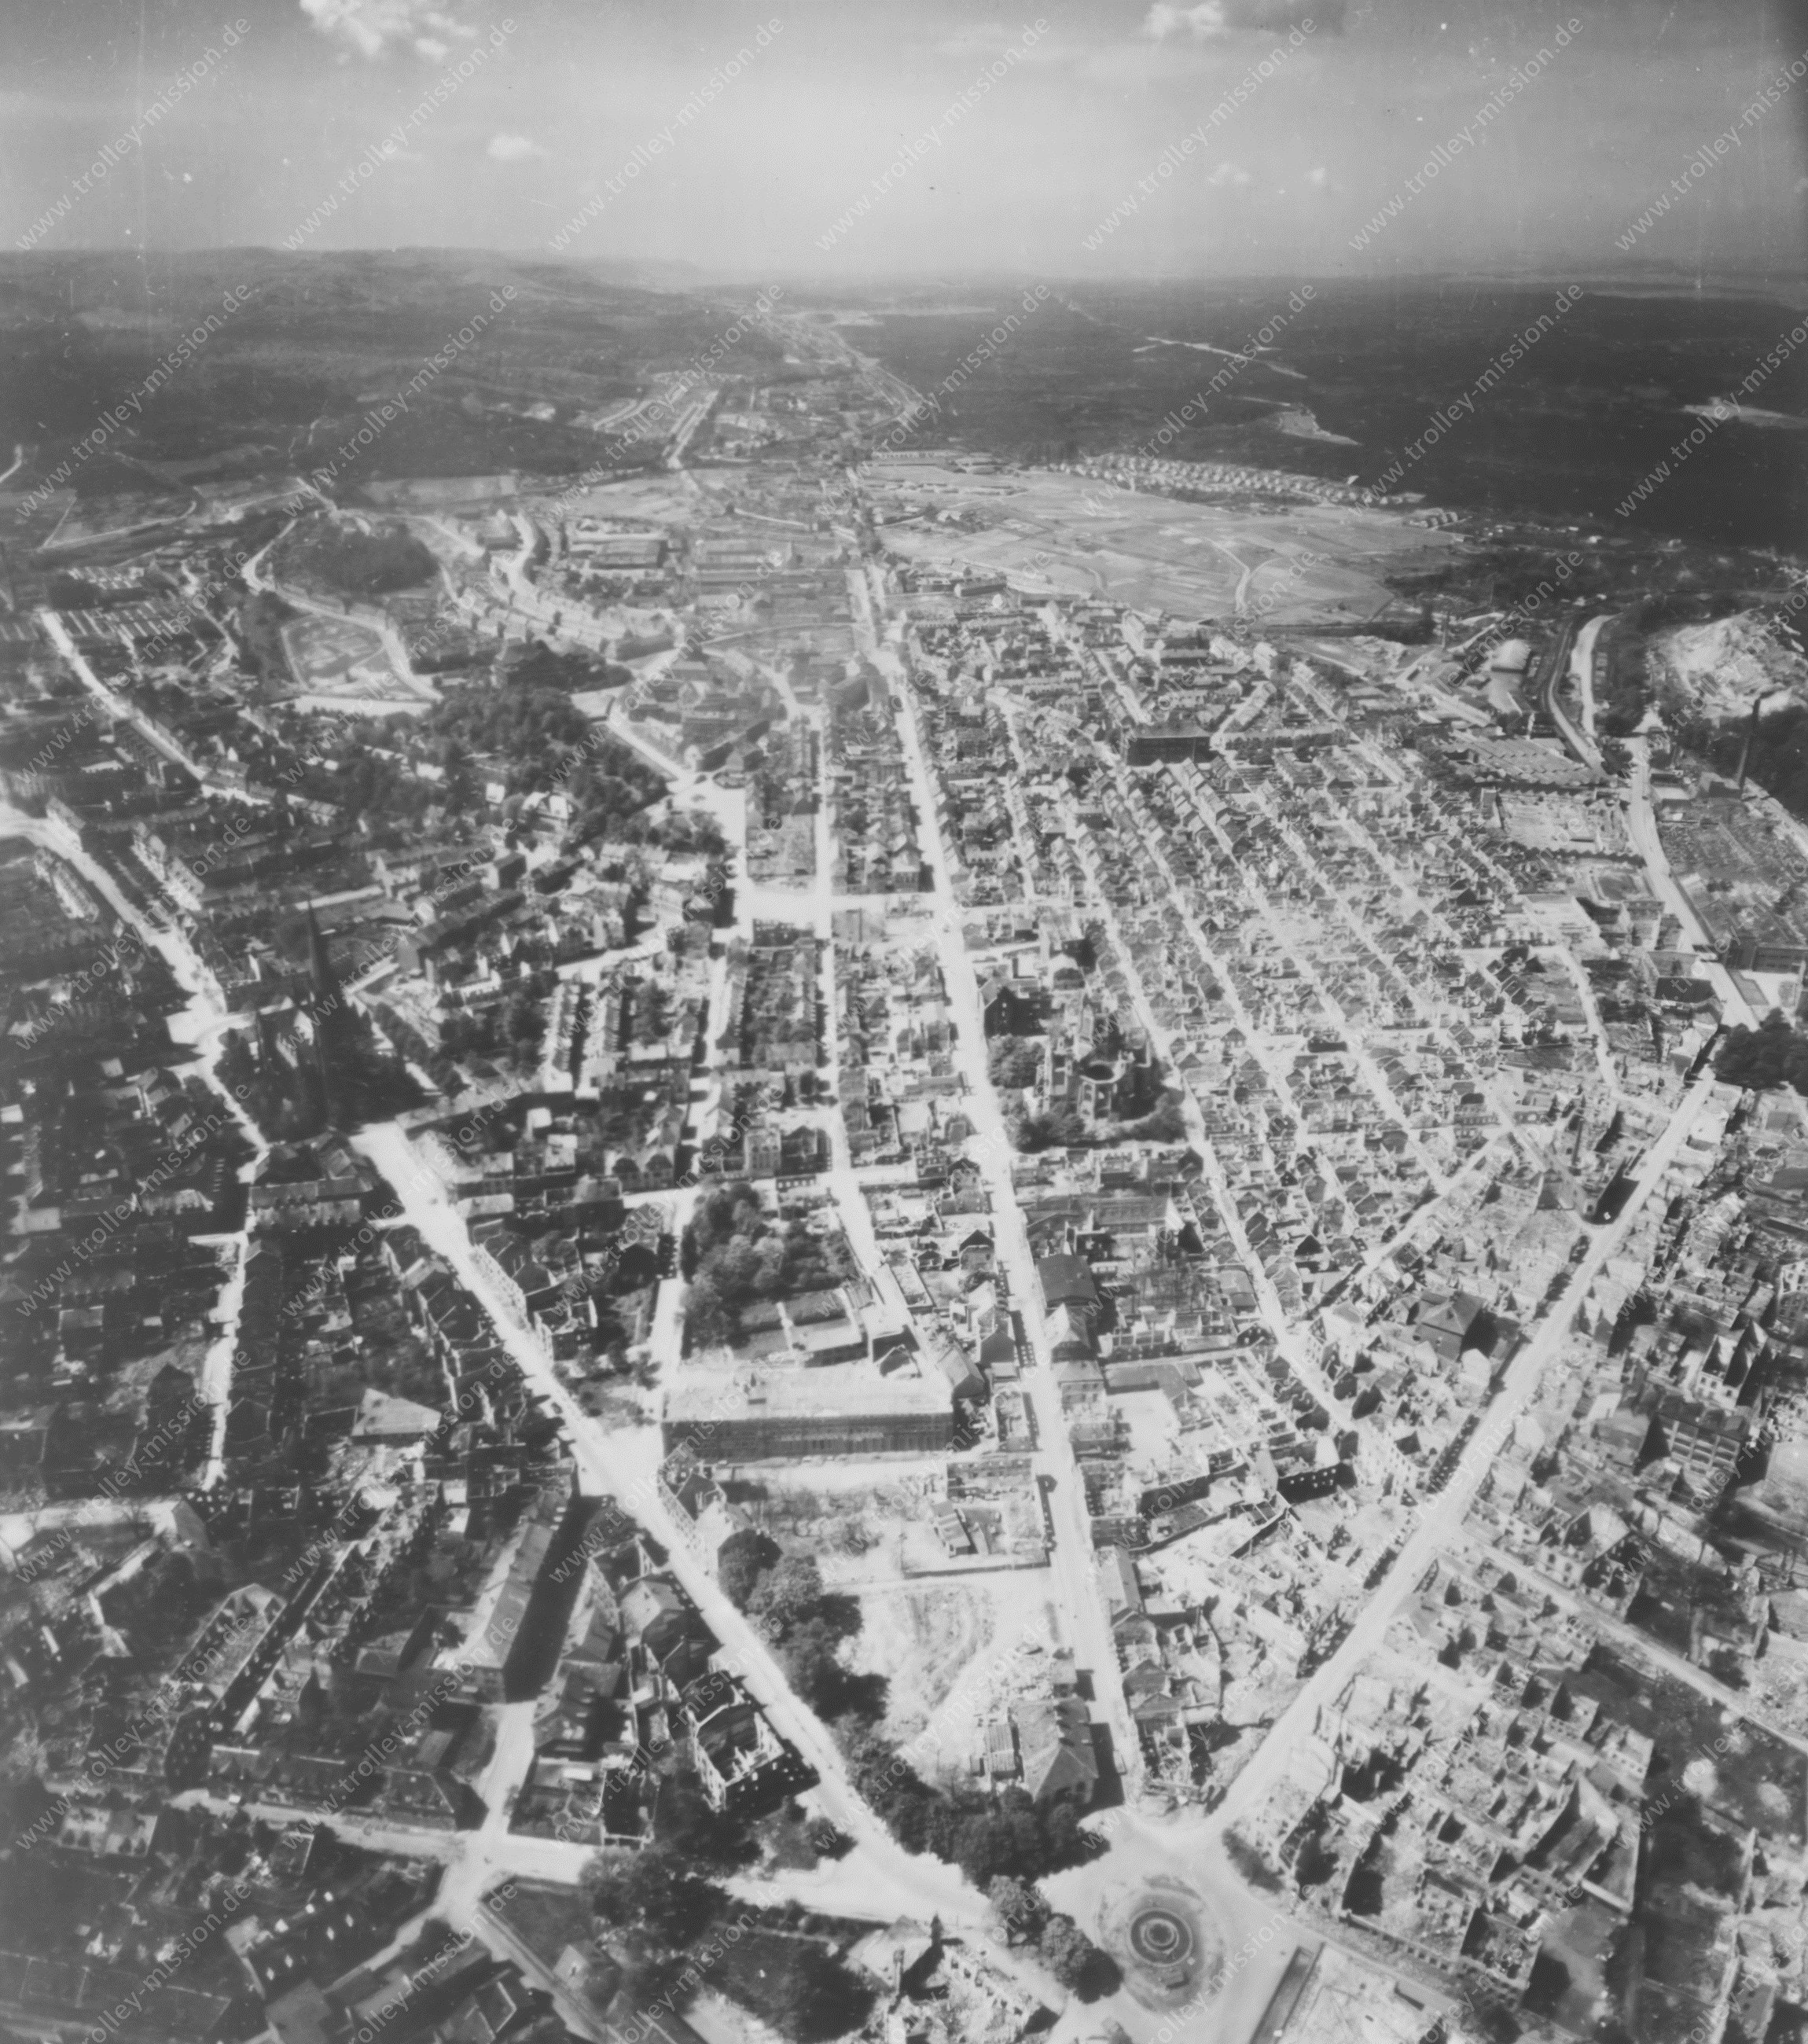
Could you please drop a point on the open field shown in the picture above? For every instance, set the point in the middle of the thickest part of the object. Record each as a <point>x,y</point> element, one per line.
<point>950,1653</point>
<point>1307,564</point>
<point>656,496</point>
<point>92,521</point>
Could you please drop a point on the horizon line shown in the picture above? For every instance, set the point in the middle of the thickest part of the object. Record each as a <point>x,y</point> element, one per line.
<point>1646,273</point>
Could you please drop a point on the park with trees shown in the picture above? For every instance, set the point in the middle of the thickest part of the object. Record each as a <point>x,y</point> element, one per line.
<point>735,1254</point>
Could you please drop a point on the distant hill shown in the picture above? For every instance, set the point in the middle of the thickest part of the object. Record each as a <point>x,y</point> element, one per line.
<point>300,345</point>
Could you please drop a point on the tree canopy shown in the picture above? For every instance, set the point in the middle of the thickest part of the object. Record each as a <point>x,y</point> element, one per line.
<point>983,1837</point>
<point>733,1254</point>
<point>538,666</point>
<point>1075,1960</point>
<point>1771,1055</point>
<point>367,564</point>
<point>653,1890</point>
<point>740,1561</point>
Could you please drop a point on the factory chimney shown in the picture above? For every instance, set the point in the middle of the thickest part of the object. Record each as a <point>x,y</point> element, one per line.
<point>1745,750</point>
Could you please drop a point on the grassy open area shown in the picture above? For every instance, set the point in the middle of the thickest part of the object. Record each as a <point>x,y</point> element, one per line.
<point>1304,565</point>
<point>920,1640</point>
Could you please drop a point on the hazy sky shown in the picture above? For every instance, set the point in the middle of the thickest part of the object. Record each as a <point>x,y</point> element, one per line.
<point>1030,127</point>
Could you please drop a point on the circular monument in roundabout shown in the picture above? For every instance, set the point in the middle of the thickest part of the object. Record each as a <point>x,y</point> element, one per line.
<point>1160,1937</point>
<point>1159,1933</point>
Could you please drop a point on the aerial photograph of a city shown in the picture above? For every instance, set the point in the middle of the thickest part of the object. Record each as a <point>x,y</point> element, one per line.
<point>903,1022</point>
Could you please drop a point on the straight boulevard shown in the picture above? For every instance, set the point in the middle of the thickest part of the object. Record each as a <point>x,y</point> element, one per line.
<point>1064,1491</point>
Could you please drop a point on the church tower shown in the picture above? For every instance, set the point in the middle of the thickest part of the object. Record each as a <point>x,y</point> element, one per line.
<point>327,996</point>
<point>330,1013</point>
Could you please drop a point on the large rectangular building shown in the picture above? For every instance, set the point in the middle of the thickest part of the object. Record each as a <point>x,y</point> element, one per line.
<point>787,1414</point>
<point>1154,745</point>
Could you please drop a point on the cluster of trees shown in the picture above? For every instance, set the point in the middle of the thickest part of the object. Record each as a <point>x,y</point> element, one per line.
<point>690,830</point>
<point>512,1029</point>
<point>369,786</point>
<point>1059,1128</point>
<point>1166,1124</point>
<point>664,1890</point>
<point>1015,1062</point>
<point>1772,1054</point>
<point>1498,578</point>
<point>982,1836</point>
<point>1621,678</point>
<point>1064,1128</point>
<point>365,564</point>
<point>1025,1917</point>
<point>805,1622</point>
<point>541,741</point>
<point>1250,1864</point>
<point>664,1907</point>
<point>537,666</point>
<point>652,1892</point>
<point>733,1254</point>
<point>545,743</point>
<point>530,725</point>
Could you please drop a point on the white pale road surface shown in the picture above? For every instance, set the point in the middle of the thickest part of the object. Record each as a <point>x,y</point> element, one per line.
<point>1582,669</point>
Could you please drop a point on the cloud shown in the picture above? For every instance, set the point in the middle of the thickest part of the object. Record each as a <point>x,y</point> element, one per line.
<point>1320,177</point>
<point>1230,174</point>
<point>372,28</point>
<point>1208,19</point>
<point>511,148</point>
